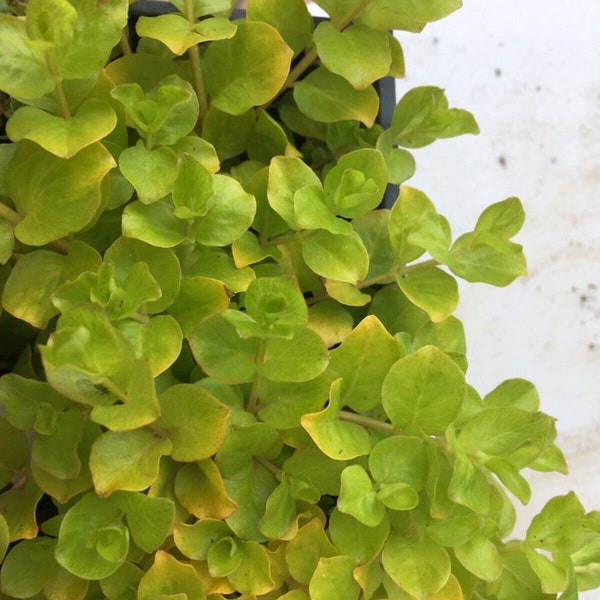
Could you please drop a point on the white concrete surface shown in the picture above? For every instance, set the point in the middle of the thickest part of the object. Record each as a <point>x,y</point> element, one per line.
<point>530,72</point>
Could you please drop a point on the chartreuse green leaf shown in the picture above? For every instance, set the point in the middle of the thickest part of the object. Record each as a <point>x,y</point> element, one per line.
<point>199,488</point>
<point>50,209</point>
<point>49,270</point>
<point>250,493</point>
<point>7,241</point>
<point>311,211</point>
<point>224,557</point>
<point>306,548</point>
<point>85,341</point>
<point>221,352</point>
<point>122,583</point>
<point>509,475</point>
<point>406,15</point>
<point>54,449</point>
<point>13,453</point>
<point>162,263</point>
<point>558,527</point>
<point>418,565</point>
<point>65,489</point>
<point>151,172</point>
<point>503,219</point>
<point>157,342</point>
<point>186,410</point>
<point>504,430</point>
<point>330,320</point>
<point>89,362</point>
<point>339,257</point>
<point>198,297</point>
<point>399,459</point>
<point>468,485</point>
<point>357,183</point>
<point>353,362</point>
<point>455,529</point>
<point>155,224</point>
<point>178,34</point>
<point>93,120</point>
<point>422,116</point>
<point>170,578</point>
<point>149,520</point>
<point>481,557</point>
<point>400,163</point>
<point>286,402</point>
<point>518,393</point>
<point>192,189</point>
<point>311,467</point>
<point>92,541</point>
<point>33,557</point>
<point>340,440</point>
<point>287,175</point>
<point>126,460</point>
<point>247,250</point>
<point>230,212</point>
<point>359,498</point>
<point>333,579</point>
<point>101,288</point>
<point>407,211</point>
<point>359,54</point>
<point>300,358</point>
<point>294,24</point>
<point>488,258</point>
<point>253,573</point>
<point>329,98</point>
<point>554,578</point>
<point>353,538</point>
<point>18,506</point>
<point>247,70</point>
<point>276,306</point>
<point>23,69</point>
<point>50,23</point>
<point>243,442</point>
<point>165,114</point>
<point>424,391</point>
<point>201,8</point>
<point>4,538</point>
<point>22,398</point>
<point>431,289</point>
<point>432,232</point>
<point>91,40</point>
<point>195,540</point>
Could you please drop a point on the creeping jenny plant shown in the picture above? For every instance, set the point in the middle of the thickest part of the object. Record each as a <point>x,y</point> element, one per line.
<point>229,373</point>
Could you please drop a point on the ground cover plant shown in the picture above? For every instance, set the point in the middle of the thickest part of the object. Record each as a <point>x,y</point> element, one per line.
<point>229,372</point>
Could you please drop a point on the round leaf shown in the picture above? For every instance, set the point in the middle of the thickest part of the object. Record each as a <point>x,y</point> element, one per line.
<point>194,420</point>
<point>424,391</point>
<point>328,98</point>
<point>419,566</point>
<point>92,541</point>
<point>51,209</point>
<point>247,70</point>
<point>126,460</point>
<point>94,120</point>
<point>169,578</point>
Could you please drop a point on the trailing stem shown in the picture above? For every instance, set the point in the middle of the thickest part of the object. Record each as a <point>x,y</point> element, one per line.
<point>196,64</point>
<point>368,422</point>
<point>58,87</point>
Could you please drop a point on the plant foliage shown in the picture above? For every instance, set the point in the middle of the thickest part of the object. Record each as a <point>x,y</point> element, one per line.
<point>229,373</point>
